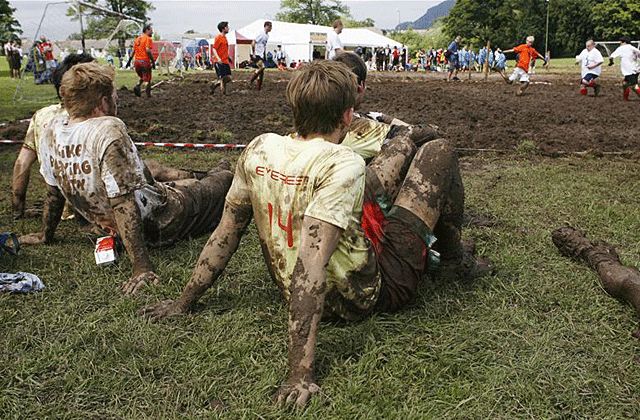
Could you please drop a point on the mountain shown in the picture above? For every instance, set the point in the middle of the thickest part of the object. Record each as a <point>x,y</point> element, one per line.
<point>426,20</point>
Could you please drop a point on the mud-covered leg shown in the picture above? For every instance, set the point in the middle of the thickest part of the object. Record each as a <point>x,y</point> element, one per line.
<point>433,191</point>
<point>164,173</point>
<point>617,280</point>
<point>387,171</point>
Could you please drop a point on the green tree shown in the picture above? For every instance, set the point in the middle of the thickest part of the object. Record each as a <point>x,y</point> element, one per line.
<point>316,12</point>
<point>507,22</point>
<point>9,25</point>
<point>615,18</point>
<point>414,40</point>
<point>99,25</point>
<point>350,22</point>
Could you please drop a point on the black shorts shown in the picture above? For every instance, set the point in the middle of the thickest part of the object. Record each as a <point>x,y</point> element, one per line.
<point>631,79</point>
<point>256,59</point>
<point>589,77</point>
<point>222,70</point>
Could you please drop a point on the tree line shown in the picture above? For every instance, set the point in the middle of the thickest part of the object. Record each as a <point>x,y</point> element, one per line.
<point>571,22</point>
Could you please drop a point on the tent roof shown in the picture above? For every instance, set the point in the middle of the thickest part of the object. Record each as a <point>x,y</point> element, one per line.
<point>284,33</point>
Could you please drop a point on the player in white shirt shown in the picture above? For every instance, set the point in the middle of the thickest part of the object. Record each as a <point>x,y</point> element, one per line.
<point>259,56</point>
<point>334,44</point>
<point>629,65</point>
<point>591,61</point>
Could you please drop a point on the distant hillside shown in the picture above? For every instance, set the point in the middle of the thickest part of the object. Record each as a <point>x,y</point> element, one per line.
<point>429,17</point>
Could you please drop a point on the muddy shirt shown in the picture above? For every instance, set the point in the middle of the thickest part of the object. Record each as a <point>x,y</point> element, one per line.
<point>309,178</point>
<point>73,159</point>
<point>39,123</point>
<point>366,136</point>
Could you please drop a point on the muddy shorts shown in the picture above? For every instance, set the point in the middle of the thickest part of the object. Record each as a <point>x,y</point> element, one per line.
<point>631,79</point>
<point>222,70</point>
<point>400,243</point>
<point>192,208</point>
<point>258,61</point>
<point>143,70</point>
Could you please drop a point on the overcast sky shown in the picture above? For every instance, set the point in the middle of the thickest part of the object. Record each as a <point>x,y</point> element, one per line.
<point>173,17</point>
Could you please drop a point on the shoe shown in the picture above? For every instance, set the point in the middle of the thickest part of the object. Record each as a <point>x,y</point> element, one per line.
<point>456,78</point>
<point>583,91</point>
<point>596,90</point>
<point>137,91</point>
<point>625,94</point>
<point>637,90</point>
<point>213,88</point>
<point>467,268</point>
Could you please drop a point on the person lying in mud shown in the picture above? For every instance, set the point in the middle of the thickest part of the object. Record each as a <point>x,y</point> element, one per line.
<point>340,239</point>
<point>618,281</point>
<point>29,152</point>
<point>88,159</point>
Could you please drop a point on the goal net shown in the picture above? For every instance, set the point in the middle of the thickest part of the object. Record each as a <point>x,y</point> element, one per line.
<point>108,37</point>
<point>610,46</point>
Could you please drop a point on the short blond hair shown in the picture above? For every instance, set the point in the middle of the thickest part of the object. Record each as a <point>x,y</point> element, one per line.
<point>531,38</point>
<point>83,87</point>
<point>337,23</point>
<point>319,94</point>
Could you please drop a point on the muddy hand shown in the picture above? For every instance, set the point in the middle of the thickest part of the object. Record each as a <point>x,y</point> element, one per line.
<point>161,310</point>
<point>135,283</point>
<point>31,239</point>
<point>297,394</point>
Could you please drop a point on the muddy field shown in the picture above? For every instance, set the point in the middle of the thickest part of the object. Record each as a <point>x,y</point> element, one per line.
<point>474,114</point>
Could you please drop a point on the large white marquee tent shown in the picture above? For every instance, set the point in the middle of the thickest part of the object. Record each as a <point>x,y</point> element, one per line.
<point>299,40</point>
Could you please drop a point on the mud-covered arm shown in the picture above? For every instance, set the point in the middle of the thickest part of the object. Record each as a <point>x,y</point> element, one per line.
<point>215,256</point>
<point>129,226</point>
<point>308,289</point>
<point>53,206</point>
<point>20,180</point>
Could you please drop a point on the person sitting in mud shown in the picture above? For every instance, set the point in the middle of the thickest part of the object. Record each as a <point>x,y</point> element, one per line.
<point>89,159</point>
<point>520,73</point>
<point>340,239</point>
<point>29,152</point>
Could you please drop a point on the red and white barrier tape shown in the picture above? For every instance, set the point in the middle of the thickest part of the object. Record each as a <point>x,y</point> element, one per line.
<point>168,145</point>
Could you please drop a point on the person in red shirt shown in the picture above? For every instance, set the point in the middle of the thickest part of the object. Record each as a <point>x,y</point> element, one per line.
<point>143,60</point>
<point>47,52</point>
<point>526,53</point>
<point>220,54</point>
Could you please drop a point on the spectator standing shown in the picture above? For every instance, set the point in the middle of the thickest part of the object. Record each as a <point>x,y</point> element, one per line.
<point>334,44</point>
<point>281,58</point>
<point>452,56</point>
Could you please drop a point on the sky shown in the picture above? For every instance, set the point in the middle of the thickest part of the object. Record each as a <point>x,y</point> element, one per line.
<point>173,17</point>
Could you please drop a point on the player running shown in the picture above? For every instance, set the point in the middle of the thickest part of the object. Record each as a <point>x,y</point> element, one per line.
<point>629,65</point>
<point>221,56</point>
<point>143,60</point>
<point>521,73</point>
<point>591,61</point>
<point>259,47</point>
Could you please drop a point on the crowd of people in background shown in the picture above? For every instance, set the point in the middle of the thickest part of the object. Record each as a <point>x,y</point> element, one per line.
<point>431,59</point>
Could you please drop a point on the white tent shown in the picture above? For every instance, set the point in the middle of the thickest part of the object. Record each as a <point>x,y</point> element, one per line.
<point>299,40</point>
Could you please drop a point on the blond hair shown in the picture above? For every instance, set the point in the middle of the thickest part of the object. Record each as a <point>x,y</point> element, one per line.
<point>319,94</point>
<point>83,87</point>
<point>531,38</point>
<point>337,23</point>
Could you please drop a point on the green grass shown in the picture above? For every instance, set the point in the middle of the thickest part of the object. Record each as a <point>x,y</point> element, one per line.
<point>540,339</point>
<point>32,97</point>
